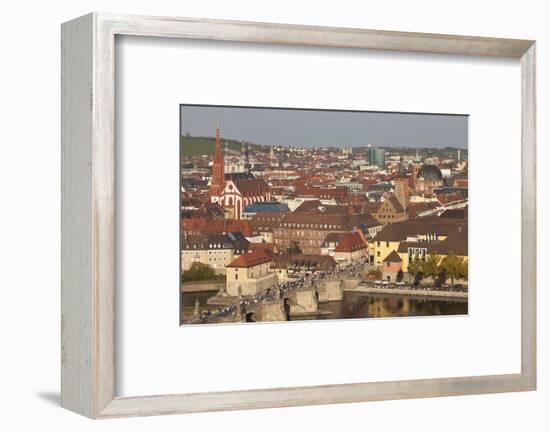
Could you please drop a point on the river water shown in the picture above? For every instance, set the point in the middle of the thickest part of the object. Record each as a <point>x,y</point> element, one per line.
<point>358,305</point>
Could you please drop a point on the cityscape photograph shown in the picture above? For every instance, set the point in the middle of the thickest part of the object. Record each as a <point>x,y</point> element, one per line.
<point>304,214</point>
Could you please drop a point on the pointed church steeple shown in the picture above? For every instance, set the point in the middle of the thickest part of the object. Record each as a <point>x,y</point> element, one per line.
<point>218,170</point>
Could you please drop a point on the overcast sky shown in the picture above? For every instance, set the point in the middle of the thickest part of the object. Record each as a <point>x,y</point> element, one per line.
<point>311,128</point>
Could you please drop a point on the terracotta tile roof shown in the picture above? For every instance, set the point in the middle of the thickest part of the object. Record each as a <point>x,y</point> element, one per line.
<point>251,187</point>
<point>267,247</point>
<point>350,243</point>
<point>203,225</point>
<point>247,260</point>
<point>308,206</point>
<point>446,198</point>
<point>321,193</point>
<point>265,222</point>
<point>328,221</point>
<point>333,237</point>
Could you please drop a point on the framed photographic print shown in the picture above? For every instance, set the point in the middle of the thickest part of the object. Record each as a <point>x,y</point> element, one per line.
<point>307,221</point>
<point>237,196</point>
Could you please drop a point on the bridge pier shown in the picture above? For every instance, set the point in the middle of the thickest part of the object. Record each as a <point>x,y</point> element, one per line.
<point>330,290</point>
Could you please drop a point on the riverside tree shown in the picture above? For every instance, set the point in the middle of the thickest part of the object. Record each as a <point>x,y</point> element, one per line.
<point>455,267</point>
<point>416,269</point>
<point>199,272</point>
<point>430,267</point>
<point>399,276</point>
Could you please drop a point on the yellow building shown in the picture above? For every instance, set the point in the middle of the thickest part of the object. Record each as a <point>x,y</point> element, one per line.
<point>420,238</point>
<point>456,242</point>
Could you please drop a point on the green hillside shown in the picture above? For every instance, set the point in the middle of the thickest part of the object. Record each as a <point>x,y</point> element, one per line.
<point>200,145</point>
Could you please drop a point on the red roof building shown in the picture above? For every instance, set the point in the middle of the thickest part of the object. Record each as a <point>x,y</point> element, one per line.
<point>247,260</point>
<point>203,225</point>
<point>350,243</point>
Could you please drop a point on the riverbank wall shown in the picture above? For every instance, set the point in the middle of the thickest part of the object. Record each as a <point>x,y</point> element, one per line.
<point>202,286</point>
<point>408,292</point>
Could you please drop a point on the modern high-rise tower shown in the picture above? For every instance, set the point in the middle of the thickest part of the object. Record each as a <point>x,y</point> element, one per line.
<point>376,156</point>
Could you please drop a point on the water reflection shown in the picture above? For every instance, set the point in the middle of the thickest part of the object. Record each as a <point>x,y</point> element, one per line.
<point>356,306</point>
<point>359,305</point>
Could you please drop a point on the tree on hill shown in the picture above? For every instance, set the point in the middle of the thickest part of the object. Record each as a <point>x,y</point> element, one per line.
<point>204,145</point>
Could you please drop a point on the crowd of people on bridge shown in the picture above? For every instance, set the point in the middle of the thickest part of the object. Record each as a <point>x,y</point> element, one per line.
<point>276,292</point>
<point>240,305</point>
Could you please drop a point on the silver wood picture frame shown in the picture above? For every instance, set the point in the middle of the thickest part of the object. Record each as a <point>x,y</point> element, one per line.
<point>88,214</point>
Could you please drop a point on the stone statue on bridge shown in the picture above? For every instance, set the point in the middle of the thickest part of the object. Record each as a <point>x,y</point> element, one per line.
<point>196,311</point>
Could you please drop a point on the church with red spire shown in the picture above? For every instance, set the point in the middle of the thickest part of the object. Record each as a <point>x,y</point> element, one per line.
<point>234,191</point>
<point>218,174</point>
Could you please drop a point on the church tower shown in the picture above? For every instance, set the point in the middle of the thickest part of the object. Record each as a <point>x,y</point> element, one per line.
<point>218,174</point>
<point>401,186</point>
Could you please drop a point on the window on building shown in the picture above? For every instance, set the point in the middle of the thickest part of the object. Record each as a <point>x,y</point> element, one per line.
<point>236,275</point>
